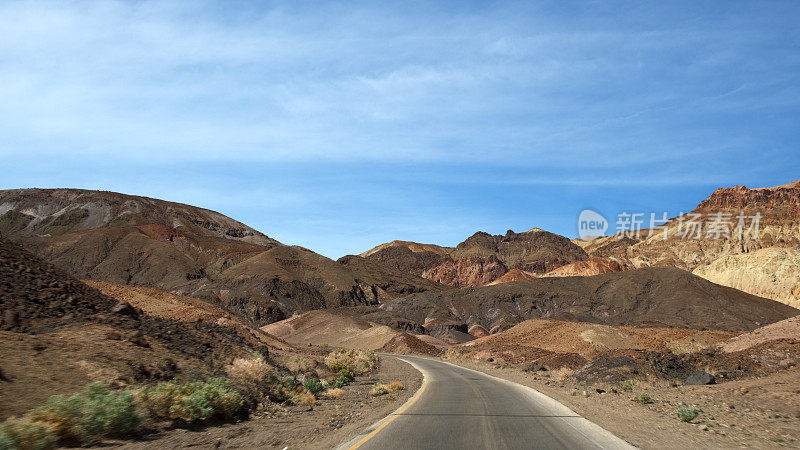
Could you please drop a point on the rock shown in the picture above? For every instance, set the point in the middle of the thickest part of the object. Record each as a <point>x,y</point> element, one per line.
<point>703,427</point>
<point>586,394</point>
<point>139,340</point>
<point>699,377</point>
<point>797,415</point>
<point>600,391</point>
<point>124,309</point>
<point>10,319</point>
<point>3,376</point>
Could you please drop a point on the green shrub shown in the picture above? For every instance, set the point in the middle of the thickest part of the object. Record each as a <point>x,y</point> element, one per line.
<point>193,401</point>
<point>687,414</point>
<point>627,385</point>
<point>24,434</point>
<point>313,385</point>
<point>87,415</point>
<point>290,382</point>
<point>358,362</point>
<point>643,398</point>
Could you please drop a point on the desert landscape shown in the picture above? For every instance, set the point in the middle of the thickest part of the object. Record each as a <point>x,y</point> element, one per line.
<point>140,295</point>
<point>399,225</point>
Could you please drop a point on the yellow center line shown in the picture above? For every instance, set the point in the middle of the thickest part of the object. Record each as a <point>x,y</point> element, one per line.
<point>394,416</point>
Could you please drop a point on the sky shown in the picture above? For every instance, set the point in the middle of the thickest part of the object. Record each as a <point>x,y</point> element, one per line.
<point>342,125</point>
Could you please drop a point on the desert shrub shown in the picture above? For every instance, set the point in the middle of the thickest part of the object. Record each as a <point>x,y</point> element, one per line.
<point>643,398</point>
<point>379,389</point>
<point>313,385</point>
<point>302,397</point>
<point>259,356</point>
<point>24,434</point>
<point>627,385</point>
<point>687,414</point>
<point>299,364</point>
<point>334,393</point>
<point>193,401</point>
<point>290,382</point>
<point>249,377</point>
<point>87,415</point>
<point>358,362</point>
<point>248,371</point>
<point>383,389</point>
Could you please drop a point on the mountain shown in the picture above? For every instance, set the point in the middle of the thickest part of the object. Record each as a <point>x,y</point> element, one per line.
<point>482,258</point>
<point>188,251</point>
<point>740,261</point>
<point>642,297</point>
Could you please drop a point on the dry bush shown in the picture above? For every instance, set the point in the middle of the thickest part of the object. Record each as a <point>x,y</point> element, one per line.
<point>383,389</point>
<point>357,361</point>
<point>299,364</point>
<point>303,397</point>
<point>334,393</point>
<point>248,371</point>
<point>250,377</point>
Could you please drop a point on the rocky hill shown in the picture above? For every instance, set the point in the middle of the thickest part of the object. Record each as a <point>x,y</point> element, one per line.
<point>187,251</point>
<point>642,297</point>
<point>764,265</point>
<point>482,258</point>
<point>57,334</point>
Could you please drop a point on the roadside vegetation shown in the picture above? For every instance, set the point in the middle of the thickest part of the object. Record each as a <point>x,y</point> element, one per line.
<point>687,413</point>
<point>383,389</point>
<point>86,417</point>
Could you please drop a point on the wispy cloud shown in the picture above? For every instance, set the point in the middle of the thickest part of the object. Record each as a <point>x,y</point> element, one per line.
<point>507,94</point>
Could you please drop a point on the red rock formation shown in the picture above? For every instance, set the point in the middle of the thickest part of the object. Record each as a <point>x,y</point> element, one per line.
<point>469,271</point>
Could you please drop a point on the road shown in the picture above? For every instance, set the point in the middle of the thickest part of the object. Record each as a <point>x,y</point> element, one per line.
<point>458,408</point>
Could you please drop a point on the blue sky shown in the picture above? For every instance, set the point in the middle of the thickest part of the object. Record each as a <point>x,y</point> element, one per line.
<point>339,126</point>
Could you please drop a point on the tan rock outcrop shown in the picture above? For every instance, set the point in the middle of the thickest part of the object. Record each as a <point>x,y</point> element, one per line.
<point>769,272</point>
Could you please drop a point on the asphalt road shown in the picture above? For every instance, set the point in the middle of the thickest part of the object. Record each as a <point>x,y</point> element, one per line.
<point>460,408</point>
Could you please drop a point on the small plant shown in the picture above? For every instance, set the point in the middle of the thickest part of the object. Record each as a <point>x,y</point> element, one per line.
<point>259,356</point>
<point>687,414</point>
<point>313,385</point>
<point>358,362</point>
<point>303,397</point>
<point>299,364</point>
<point>383,389</point>
<point>24,434</point>
<point>248,371</point>
<point>290,382</point>
<point>643,398</point>
<point>343,378</point>
<point>194,401</point>
<point>87,415</point>
<point>334,393</point>
<point>627,385</point>
<point>396,386</point>
<point>378,390</point>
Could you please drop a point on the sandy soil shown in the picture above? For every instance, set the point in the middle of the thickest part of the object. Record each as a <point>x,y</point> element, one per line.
<point>762,412</point>
<point>327,424</point>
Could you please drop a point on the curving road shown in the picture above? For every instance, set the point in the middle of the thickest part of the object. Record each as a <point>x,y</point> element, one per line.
<point>460,408</point>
